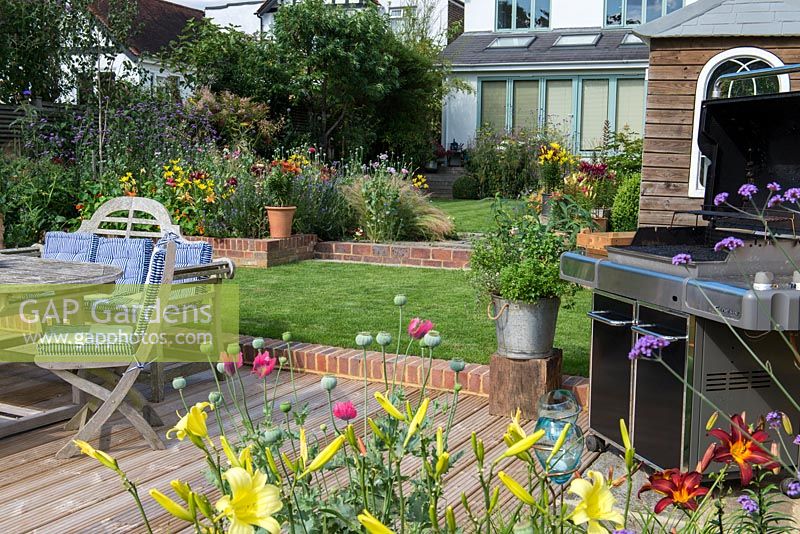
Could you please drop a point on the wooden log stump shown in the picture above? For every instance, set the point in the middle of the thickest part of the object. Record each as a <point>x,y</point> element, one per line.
<point>520,383</point>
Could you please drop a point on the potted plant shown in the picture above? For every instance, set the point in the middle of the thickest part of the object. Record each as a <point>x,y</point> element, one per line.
<point>279,183</point>
<point>518,266</point>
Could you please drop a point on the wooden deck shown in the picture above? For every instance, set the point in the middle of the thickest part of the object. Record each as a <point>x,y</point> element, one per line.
<point>41,494</point>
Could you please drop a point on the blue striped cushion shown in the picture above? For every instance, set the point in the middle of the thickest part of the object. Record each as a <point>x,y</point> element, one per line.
<point>187,253</point>
<point>130,254</point>
<point>67,246</point>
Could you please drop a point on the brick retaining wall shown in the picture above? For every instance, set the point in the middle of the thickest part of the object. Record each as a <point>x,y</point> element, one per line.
<point>348,363</point>
<point>262,252</point>
<point>419,255</point>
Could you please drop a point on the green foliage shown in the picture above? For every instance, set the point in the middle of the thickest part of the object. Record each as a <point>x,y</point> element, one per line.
<point>389,208</point>
<point>519,260</point>
<point>466,187</point>
<point>622,151</point>
<point>625,211</point>
<point>37,196</point>
<point>508,163</point>
<point>569,217</point>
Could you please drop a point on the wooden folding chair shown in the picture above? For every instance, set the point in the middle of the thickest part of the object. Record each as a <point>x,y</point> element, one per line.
<point>67,343</point>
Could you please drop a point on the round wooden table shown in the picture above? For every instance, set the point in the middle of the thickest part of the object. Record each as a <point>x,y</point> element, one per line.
<point>30,270</point>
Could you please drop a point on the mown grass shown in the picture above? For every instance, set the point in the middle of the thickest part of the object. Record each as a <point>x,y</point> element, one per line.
<point>474,216</point>
<point>328,303</point>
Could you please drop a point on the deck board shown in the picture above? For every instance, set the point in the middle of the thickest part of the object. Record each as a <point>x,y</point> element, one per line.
<point>41,494</point>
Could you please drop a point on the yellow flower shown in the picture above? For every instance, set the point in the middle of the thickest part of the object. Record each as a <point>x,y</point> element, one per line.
<point>252,502</point>
<point>325,455</point>
<point>562,437</point>
<point>192,425</point>
<point>597,503</point>
<point>419,417</point>
<point>516,489</point>
<point>387,405</point>
<point>171,506</point>
<point>523,445</point>
<point>102,457</point>
<point>371,523</point>
<point>244,460</point>
<point>303,446</point>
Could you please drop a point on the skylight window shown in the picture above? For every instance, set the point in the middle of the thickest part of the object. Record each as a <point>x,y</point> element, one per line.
<point>588,39</point>
<point>631,39</point>
<point>512,42</point>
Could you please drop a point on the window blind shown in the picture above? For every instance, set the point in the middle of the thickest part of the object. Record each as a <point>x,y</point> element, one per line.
<point>630,105</point>
<point>493,104</point>
<point>526,104</point>
<point>594,112</point>
<point>559,105</point>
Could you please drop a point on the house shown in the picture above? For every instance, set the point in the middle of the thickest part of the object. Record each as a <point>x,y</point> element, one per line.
<point>259,16</point>
<point>156,23</point>
<point>570,64</point>
<point>689,50</point>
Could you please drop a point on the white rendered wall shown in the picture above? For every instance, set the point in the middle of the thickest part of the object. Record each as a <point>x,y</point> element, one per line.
<point>241,14</point>
<point>460,114</point>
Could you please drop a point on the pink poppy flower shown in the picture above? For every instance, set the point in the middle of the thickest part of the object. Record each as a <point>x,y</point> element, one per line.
<point>344,411</point>
<point>417,328</point>
<point>231,362</point>
<point>263,364</point>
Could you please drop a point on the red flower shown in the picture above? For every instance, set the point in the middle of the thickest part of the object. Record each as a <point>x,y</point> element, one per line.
<point>417,328</point>
<point>344,411</point>
<point>312,150</point>
<point>263,364</point>
<point>743,448</point>
<point>680,489</point>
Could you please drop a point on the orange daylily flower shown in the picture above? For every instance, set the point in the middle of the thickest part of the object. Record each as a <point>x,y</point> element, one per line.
<point>680,489</point>
<point>742,448</point>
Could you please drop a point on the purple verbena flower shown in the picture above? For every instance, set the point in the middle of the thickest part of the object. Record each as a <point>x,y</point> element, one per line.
<point>774,420</point>
<point>26,92</point>
<point>645,346</point>
<point>796,440</point>
<point>624,531</point>
<point>720,199</point>
<point>729,243</point>
<point>748,190</point>
<point>774,187</point>
<point>391,170</point>
<point>681,259</point>
<point>749,506</point>
<point>774,201</point>
<point>793,489</point>
<point>792,195</point>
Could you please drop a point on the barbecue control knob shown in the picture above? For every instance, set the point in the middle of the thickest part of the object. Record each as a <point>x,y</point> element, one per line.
<point>796,280</point>
<point>763,280</point>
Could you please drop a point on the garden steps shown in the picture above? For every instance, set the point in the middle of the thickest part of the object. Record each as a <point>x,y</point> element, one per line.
<point>78,494</point>
<point>440,184</point>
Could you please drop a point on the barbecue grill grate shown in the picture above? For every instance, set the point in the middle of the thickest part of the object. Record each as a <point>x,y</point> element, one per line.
<point>698,252</point>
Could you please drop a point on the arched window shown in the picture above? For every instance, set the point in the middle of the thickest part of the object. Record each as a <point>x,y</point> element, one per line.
<point>734,60</point>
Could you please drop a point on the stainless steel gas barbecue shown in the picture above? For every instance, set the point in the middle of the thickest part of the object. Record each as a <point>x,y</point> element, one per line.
<point>706,309</point>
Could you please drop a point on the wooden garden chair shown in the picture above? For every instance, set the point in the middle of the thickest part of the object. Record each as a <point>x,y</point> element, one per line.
<point>59,355</point>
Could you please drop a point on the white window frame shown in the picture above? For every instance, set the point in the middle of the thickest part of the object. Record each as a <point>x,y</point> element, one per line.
<point>696,189</point>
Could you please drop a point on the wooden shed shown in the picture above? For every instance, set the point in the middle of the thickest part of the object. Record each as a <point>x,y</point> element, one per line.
<point>689,50</point>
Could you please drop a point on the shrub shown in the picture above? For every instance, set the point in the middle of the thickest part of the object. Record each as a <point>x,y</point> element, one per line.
<point>622,151</point>
<point>466,188</point>
<point>388,207</point>
<point>625,211</point>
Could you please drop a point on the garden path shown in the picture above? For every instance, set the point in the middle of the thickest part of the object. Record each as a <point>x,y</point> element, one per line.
<point>40,493</point>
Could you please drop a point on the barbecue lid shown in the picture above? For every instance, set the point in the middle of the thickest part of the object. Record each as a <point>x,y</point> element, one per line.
<point>755,140</point>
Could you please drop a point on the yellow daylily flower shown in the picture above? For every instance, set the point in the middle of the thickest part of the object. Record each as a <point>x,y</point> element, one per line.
<point>597,503</point>
<point>559,443</point>
<point>371,523</point>
<point>102,457</point>
<point>245,458</point>
<point>439,441</point>
<point>252,502</point>
<point>442,463</point>
<point>516,488</point>
<point>419,417</point>
<point>192,425</point>
<point>303,446</point>
<point>388,407</point>
<point>182,489</point>
<point>515,433</point>
<point>325,455</point>
<point>626,441</point>
<point>171,506</point>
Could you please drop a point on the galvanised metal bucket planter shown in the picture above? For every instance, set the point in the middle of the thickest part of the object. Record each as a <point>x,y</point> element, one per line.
<point>525,331</point>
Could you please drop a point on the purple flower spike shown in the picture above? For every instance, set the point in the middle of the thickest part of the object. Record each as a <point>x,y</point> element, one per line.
<point>729,243</point>
<point>774,420</point>
<point>720,199</point>
<point>793,491</point>
<point>748,190</point>
<point>681,259</point>
<point>747,503</point>
<point>792,195</point>
<point>796,440</point>
<point>645,346</point>
<point>774,187</point>
<point>774,201</point>
<point>623,531</point>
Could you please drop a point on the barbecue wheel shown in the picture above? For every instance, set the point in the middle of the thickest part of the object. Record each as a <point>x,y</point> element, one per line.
<point>595,444</point>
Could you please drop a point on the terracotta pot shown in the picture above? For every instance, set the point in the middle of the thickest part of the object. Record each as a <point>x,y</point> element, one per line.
<point>280,221</point>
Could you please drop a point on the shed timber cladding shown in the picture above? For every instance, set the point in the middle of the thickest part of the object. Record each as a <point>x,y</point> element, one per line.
<point>675,66</point>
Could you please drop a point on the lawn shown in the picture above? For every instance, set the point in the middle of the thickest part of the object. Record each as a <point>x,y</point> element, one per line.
<point>328,303</point>
<point>473,216</point>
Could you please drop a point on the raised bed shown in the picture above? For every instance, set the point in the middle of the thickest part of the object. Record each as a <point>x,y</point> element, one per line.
<point>595,243</point>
